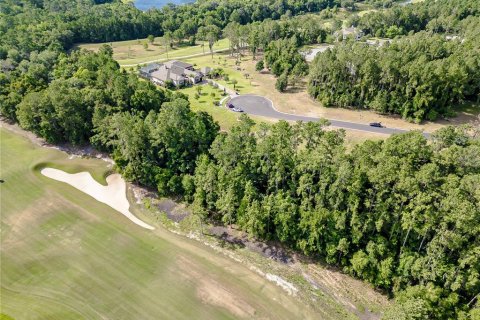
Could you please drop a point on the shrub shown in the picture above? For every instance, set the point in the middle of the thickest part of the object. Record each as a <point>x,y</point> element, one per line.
<point>260,65</point>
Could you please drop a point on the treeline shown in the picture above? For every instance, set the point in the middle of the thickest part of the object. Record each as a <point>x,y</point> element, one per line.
<point>420,77</point>
<point>441,16</point>
<point>65,101</point>
<point>29,25</point>
<point>402,213</point>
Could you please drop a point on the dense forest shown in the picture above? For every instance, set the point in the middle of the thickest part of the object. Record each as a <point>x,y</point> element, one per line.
<point>402,214</point>
<point>421,76</point>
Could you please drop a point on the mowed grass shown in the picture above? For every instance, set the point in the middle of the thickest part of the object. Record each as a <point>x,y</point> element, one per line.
<point>205,102</point>
<point>66,256</point>
<point>133,52</point>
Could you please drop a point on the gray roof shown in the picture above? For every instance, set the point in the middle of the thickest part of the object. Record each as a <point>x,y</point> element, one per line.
<point>176,63</point>
<point>164,74</point>
<point>149,68</point>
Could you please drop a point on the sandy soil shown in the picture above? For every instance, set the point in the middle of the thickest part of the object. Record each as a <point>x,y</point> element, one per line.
<point>211,292</point>
<point>113,195</point>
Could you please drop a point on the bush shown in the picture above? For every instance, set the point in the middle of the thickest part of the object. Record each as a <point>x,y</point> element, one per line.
<point>260,65</point>
<point>169,84</point>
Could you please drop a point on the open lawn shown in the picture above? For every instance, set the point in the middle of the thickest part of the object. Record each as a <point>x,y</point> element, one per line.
<point>133,51</point>
<point>65,255</point>
<point>205,102</point>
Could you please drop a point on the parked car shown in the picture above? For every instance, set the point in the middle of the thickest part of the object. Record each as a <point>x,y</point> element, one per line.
<point>229,105</point>
<point>237,110</point>
<point>376,124</point>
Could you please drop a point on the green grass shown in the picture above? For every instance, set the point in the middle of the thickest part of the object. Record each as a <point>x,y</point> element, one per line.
<point>66,256</point>
<point>225,118</point>
<point>222,115</point>
<point>224,61</point>
<point>132,52</point>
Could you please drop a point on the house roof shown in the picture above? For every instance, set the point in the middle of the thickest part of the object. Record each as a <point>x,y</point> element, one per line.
<point>149,68</point>
<point>164,74</point>
<point>176,63</point>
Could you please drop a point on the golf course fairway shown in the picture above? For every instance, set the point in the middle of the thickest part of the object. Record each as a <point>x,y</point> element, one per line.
<point>65,255</point>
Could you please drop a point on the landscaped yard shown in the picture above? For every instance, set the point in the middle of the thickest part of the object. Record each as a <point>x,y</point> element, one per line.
<point>205,102</point>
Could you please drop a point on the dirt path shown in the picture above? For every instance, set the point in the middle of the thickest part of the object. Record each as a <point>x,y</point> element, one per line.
<point>113,195</point>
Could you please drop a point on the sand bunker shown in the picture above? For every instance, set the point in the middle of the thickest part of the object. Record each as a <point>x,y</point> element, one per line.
<point>113,195</point>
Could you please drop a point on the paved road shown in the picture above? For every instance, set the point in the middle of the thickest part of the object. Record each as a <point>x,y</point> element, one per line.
<point>260,106</point>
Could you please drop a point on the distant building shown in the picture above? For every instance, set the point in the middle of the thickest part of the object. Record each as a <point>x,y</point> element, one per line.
<point>346,33</point>
<point>178,72</point>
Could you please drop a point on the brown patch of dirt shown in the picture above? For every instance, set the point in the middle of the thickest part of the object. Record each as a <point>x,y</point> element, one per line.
<point>211,292</point>
<point>22,220</point>
<point>175,212</point>
<point>345,289</point>
<point>239,238</point>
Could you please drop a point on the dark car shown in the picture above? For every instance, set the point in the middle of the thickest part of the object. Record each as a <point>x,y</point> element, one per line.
<point>376,124</point>
<point>229,105</point>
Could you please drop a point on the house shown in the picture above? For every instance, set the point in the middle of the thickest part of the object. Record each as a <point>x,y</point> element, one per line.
<point>179,64</point>
<point>161,76</point>
<point>178,72</point>
<point>147,70</point>
<point>351,32</point>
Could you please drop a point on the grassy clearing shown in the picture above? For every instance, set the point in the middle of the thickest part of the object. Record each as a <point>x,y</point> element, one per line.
<point>67,256</point>
<point>225,118</point>
<point>205,102</point>
<point>133,51</point>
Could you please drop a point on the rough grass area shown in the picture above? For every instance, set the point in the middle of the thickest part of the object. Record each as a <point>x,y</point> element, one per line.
<point>66,256</point>
<point>133,51</point>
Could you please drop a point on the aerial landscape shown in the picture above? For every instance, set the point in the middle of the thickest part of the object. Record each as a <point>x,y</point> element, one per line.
<point>227,159</point>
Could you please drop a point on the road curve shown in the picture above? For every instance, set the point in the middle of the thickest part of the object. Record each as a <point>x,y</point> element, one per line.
<point>261,106</point>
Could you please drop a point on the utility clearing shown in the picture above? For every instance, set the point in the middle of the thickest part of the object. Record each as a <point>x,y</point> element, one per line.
<point>113,195</point>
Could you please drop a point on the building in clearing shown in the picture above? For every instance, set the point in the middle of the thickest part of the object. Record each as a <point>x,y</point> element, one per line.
<point>148,69</point>
<point>178,72</point>
<point>346,33</point>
